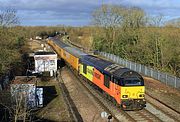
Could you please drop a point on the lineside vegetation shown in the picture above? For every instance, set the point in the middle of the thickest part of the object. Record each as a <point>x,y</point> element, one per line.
<point>124,31</point>
<point>130,33</point>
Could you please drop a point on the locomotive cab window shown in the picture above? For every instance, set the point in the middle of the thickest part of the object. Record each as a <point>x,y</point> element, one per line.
<point>117,81</point>
<point>84,68</point>
<point>107,80</point>
<point>133,82</point>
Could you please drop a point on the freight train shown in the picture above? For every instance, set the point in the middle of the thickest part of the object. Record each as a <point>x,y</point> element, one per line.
<point>123,86</point>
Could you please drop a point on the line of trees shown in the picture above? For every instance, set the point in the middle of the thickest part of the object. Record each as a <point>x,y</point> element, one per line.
<point>125,31</point>
<point>13,39</point>
<point>9,40</point>
<point>130,33</point>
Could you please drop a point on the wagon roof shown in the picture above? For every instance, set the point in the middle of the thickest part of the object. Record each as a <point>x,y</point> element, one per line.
<point>76,52</point>
<point>60,43</point>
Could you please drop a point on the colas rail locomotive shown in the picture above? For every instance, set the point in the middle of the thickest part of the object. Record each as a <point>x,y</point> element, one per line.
<point>124,86</point>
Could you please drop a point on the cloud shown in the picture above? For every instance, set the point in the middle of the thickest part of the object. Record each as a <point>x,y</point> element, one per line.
<point>76,12</point>
<point>30,11</point>
<point>48,4</point>
<point>153,7</point>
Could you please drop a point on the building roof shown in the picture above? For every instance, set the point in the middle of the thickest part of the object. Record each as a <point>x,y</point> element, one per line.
<point>44,53</point>
<point>24,80</point>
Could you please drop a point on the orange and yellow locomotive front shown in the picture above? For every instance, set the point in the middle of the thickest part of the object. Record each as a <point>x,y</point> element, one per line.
<point>132,97</point>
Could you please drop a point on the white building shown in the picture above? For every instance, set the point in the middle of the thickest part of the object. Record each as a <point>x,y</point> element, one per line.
<point>46,63</point>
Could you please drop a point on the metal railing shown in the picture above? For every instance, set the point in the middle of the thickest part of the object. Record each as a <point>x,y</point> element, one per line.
<point>163,77</point>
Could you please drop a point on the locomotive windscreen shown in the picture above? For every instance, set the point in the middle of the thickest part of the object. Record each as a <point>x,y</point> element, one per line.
<point>132,82</point>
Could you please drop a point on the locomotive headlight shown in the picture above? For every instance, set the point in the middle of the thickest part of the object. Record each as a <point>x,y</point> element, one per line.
<point>141,95</point>
<point>125,96</point>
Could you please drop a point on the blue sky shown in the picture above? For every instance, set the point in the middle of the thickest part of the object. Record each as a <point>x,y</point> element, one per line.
<point>78,12</point>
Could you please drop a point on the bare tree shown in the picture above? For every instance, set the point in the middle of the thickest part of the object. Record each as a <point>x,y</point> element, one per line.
<point>18,102</point>
<point>156,21</point>
<point>118,16</point>
<point>114,19</point>
<point>22,96</point>
<point>107,16</point>
<point>8,18</point>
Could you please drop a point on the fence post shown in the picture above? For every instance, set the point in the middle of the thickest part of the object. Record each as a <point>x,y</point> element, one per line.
<point>145,70</point>
<point>175,82</point>
<point>116,59</point>
<point>158,75</point>
<point>166,79</point>
<point>139,68</point>
<point>121,61</point>
<point>126,63</point>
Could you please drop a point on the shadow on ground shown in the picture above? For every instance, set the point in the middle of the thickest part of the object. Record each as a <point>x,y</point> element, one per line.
<point>49,93</point>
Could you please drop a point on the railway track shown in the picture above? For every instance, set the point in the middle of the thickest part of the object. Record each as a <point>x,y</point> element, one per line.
<point>155,110</point>
<point>143,115</point>
<point>164,108</point>
<point>162,103</point>
<point>150,113</point>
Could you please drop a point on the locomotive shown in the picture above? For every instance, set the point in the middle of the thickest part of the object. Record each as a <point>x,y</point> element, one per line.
<point>123,86</point>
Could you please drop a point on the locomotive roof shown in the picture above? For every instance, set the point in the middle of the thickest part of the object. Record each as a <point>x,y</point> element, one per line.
<point>98,63</point>
<point>125,72</point>
<point>109,67</point>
